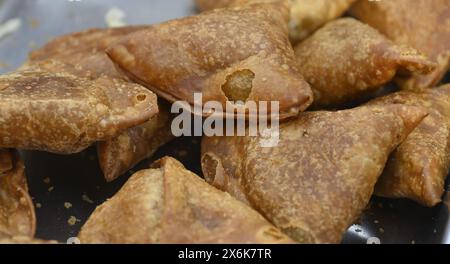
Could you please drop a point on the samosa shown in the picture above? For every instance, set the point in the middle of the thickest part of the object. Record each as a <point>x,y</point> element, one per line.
<point>230,56</point>
<point>347,60</point>
<point>421,24</point>
<point>320,177</point>
<point>58,108</point>
<point>169,204</point>
<point>86,51</point>
<point>419,166</point>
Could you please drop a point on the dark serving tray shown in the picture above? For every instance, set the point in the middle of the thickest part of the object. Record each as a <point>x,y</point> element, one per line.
<point>56,180</point>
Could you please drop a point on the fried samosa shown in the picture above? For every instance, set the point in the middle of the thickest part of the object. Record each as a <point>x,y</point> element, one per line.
<point>169,204</point>
<point>228,55</point>
<point>17,216</point>
<point>85,49</point>
<point>54,107</point>
<point>116,156</point>
<point>419,166</point>
<point>320,177</point>
<point>346,60</point>
<point>306,15</point>
<point>421,24</point>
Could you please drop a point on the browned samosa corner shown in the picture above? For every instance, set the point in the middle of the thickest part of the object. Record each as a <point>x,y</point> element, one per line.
<point>421,24</point>
<point>318,180</point>
<point>228,55</point>
<point>169,204</point>
<point>118,155</point>
<point>347,60</point>
<point>417,169</point>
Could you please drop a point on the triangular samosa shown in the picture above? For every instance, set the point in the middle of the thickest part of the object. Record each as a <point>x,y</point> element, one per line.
<point>169,204</point>
<point>17,216</point>
<point>86,51</point>
<point>419,166</point>
<point>319,178</point>
<point>59,108</point>
<point>346,60</point>
<point>421,24</point>
<point>230,56</point>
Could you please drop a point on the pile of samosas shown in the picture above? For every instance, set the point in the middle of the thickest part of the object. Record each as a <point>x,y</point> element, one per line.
<point>113,88</point>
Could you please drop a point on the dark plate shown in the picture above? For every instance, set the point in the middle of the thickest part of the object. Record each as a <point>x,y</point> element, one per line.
<point>55,180</point>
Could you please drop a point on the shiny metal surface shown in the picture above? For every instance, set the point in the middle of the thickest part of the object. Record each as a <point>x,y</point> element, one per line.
<point>56,181</point>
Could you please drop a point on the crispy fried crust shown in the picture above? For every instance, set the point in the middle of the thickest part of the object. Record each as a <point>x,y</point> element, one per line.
<point>17,217</point>
<point>85,49</point>
<point>321,175</point>
<point>421,24</point>
<point>418,168</point>
<point>346,59</point>
<point>209,52</point>
<point>169,204</point>
<point>306,15</point>
<point>118,155</point>
<point>55,107</point>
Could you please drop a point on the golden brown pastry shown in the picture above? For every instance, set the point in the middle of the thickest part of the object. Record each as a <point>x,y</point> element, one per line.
<point>419,166</point>
<point>421,24</point>
<point>17,217</point>
<point>306,15</point>
<point>320,177</point>
<point>116,156</point>
<point>85,49</point>
<point>228,55</point>
<point>54,107</point>
<point>169,204</point>
<point>346,60</point>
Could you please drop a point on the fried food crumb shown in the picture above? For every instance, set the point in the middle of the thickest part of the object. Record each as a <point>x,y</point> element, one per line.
<point>47,180</point>
<point>51,188</point>
<point>67,205</point>
<point>38,205</point>
<point>72,220</point>
<point>86,199</point>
